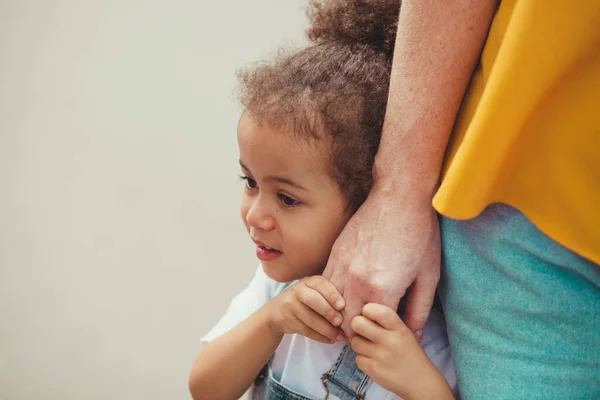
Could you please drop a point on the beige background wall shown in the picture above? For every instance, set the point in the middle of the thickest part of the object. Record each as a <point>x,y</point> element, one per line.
<point>120,241</point>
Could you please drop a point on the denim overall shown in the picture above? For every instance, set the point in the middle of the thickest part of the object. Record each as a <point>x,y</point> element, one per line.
<point>343,380</point>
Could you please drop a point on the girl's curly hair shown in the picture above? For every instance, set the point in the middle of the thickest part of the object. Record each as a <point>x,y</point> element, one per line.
<point>337,86</point>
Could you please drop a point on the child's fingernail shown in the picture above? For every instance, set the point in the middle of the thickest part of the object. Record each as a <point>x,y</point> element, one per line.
<point>419,335</point>
<point>339,304</point>
<point>339,337</point>
<point>337,320</point>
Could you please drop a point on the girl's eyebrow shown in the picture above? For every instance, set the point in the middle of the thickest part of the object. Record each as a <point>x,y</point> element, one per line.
<point>286,181</point>
<point>243,166</point>
<point>277,178</point>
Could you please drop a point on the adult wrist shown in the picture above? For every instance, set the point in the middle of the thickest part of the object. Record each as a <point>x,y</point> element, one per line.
<point>403,191</point>
<point>404,181</point>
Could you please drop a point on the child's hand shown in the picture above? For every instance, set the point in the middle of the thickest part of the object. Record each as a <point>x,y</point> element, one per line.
<point>388,352</point>
<point>309,308</point>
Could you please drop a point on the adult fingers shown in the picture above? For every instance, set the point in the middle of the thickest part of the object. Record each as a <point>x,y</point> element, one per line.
<point>336,268</point>
<point>418,305</point>
<point>327,290</point>
<point>315,300</point>
<point>356,297</point>
<point>354,305</point>
<point>367,328</point>
<point>383,315</point>
<point>316,323</point>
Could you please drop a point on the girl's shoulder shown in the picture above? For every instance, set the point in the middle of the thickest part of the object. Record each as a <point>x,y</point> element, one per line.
<point>278,287</point>
<point>256,294</point>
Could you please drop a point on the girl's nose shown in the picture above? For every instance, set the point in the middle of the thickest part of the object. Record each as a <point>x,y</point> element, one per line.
<point>259,216</point>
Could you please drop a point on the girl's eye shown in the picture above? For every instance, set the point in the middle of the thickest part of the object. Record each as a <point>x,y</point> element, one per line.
<point>250,183</point>
<point>288,201</point>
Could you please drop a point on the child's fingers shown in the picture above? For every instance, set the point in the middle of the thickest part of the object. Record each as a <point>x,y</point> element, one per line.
<point>317,323</point>
<point>363,346</point>
<point>317,302</point>
<point>383,315</point>
<point>367,328</point>
<point>327,290</point>
<point>314,335</point>
<point>365,364</point>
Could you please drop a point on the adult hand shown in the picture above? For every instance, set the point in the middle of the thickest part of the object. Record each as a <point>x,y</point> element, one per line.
<point>387,247</point>
<point>393,241</point>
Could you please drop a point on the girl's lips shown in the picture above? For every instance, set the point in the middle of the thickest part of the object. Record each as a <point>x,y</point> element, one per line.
<point>265,254</point>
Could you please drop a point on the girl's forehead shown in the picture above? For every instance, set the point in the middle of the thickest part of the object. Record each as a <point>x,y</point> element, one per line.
<point>263,147</point>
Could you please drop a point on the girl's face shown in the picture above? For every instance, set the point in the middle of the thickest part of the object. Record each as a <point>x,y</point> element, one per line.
<point>292,209</point>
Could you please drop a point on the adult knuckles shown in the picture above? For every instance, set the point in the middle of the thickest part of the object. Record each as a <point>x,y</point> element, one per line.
<point>375,286</point>
<point>359,276</point>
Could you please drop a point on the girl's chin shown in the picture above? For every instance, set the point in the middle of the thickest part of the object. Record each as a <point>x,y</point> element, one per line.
<point>281,272</point>
<point>278,273</point>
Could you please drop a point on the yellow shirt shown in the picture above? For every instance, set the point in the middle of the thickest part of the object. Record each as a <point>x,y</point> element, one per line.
<point>528,131</point>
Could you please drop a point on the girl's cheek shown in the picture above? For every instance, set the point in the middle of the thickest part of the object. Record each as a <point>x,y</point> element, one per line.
<point>244,207</point>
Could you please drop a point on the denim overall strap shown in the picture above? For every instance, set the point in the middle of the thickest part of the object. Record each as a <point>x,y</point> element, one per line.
<point>267,388</point>
<point>344,379</point>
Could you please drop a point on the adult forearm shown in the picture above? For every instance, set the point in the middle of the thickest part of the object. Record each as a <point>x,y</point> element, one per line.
<point>227,366</point>
<point>437,47</point>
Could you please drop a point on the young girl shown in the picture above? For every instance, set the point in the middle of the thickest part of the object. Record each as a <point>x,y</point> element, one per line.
<point>307,141</point>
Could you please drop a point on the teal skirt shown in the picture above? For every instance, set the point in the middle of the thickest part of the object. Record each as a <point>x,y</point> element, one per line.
<point>523,312</point>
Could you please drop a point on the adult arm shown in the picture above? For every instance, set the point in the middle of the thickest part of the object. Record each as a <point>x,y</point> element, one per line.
<point>393,241</point>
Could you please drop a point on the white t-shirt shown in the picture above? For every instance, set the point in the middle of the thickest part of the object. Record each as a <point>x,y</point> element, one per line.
<point>299,362</point>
